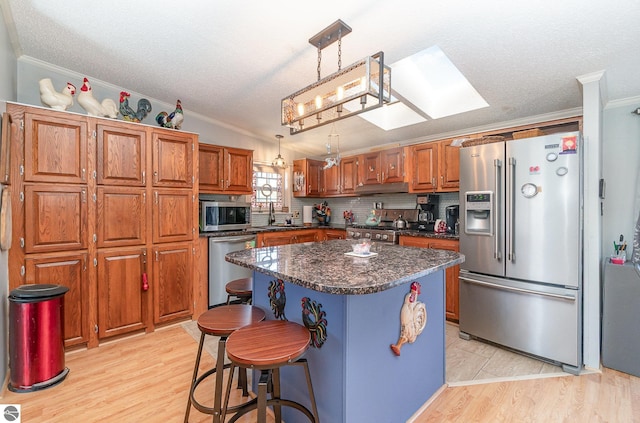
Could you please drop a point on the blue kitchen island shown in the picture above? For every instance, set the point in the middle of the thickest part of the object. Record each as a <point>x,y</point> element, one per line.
<point>353,307</point>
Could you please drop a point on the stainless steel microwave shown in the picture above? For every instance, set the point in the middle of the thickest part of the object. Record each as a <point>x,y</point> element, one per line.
<point>223,216</point>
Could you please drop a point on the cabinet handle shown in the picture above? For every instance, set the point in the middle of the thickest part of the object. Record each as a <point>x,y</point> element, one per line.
<point>382,176</point>
<point>144,178</point>
<point>84,171</point>
<point>156,196</point>
<point>84,196</point>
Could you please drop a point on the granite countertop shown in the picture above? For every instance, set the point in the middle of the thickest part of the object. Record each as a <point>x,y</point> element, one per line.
<point>279,228</point>
<point>324,267</point>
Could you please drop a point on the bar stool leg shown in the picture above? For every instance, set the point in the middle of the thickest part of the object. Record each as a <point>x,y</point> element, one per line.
<point>217,405</point>
<point>275,384</point>
<point>195,376</point>
<point>312,396</point>
<point>262,396</point>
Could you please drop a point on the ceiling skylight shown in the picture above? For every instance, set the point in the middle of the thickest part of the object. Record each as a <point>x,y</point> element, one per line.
<point>430,83</point>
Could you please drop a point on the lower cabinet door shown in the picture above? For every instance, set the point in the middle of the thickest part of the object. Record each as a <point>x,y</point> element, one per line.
<point>172,281</point>
<point>70,270</point>
<point>122,298</point>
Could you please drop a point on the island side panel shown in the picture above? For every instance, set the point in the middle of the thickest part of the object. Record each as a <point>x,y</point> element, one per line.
<point>356,376</point>
<point>326,364</point>
<point>381,386</point>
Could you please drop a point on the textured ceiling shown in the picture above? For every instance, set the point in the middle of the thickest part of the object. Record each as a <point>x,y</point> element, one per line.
<point>233,61</point>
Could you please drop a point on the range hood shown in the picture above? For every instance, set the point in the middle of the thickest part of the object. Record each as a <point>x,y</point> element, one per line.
<point>396,187</point>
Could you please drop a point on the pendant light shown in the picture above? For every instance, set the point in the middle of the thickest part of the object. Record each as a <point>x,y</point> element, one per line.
<point>279,161</point>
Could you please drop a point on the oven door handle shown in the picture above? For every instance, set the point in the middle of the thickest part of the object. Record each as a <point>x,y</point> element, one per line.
<point>231,239</point>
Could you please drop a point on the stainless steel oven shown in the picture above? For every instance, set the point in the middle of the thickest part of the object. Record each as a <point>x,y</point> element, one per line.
<point>224,216</point>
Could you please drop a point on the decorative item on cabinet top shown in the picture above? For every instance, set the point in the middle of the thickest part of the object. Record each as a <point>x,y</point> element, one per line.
<point>56,100</point>
<point>171,120</point>
<point>128,114</point>
<point>93,107</point>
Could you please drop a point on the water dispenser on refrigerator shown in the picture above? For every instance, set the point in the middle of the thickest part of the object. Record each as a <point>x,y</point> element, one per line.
<point>478,211</point>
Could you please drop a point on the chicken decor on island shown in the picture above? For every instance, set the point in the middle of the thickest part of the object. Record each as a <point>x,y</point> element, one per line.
<point>413,318</point>
<point>56,100</point>
<point>128,114</point>
<point>171,120</point>
<point>93,107</point>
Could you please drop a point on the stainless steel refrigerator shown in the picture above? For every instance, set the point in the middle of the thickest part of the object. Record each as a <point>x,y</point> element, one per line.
<point>521,234</point>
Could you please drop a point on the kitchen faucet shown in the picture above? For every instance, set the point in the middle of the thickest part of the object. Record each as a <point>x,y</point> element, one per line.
<point>272,215</point>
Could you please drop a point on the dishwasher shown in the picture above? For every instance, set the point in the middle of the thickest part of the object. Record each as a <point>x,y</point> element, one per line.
<point>221,271</point>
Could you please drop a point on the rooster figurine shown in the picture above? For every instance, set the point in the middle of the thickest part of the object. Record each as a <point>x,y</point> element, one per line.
<point>144,107</point>
<point>56,100</point>
<point>413,318</point>
<point>94,107</point>
<point>171,120</point>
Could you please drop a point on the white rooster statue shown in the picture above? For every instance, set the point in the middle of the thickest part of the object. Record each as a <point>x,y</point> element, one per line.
<point>93,107</point>
<point>56,100</point>
<point>413,318</point>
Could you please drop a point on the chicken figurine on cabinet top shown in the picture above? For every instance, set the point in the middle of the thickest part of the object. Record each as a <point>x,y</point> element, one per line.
<point>56,100</point>
<point>171,120</point>
<point>144,107</point>
<point>93,107</point>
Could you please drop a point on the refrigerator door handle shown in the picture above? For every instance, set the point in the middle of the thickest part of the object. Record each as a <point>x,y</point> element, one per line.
<point>497,254</point>
<point>511,255</point>
<point>511,288</point>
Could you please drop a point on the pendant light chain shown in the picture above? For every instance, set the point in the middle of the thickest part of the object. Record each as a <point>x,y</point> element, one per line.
<point>319,60</point>
<point>339,49</point>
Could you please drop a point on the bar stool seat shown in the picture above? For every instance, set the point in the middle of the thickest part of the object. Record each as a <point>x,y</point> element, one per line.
<point>240,288</point>
<point>267,346</point>
<point>220,321</point>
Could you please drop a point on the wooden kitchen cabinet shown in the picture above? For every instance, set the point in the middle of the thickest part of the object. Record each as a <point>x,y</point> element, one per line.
<point>449,166</point>
<point>272,239</point>
<point>369,169</point>
<point>55,217</point>
<point>329,234</point>
<point>434,167</point>
<point>122,216</point>
<point>173,159</point>
<point>70,270</point>
<point>310,172</point>
<point>452,310</point>
<point>225,170</point>
<point>85,215</point>
<point>423,167</point>
<point>172,282</point>
<point>173,215</point>
<point>55,147</point>
<point>348,175</point>
<point>392,165</point>
<point>121,154</point>
<point>122,300</point>
<point>332,181</point>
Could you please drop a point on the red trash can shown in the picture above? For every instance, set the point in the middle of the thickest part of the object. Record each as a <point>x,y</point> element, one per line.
<point>36,337</point>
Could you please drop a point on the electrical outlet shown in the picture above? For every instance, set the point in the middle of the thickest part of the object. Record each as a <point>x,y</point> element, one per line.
<point>296,214</point>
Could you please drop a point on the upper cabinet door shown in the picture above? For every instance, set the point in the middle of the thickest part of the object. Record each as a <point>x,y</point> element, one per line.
<point>392,164</point>
<point>210,168</point>
<point>369,168</point>
<point>449,164</point>
<point>348,175</point>
<point>172,159</point>
<point>424,167</point>
<point>121,155</point>
<point>55,148</point>
<point>238,170</point>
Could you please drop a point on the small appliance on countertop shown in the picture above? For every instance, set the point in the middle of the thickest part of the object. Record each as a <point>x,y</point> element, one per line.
<point>452,213</point>
<point>427,205</point>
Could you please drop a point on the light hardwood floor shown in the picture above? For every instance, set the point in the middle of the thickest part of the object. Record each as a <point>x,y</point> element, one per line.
<point>146,378</point>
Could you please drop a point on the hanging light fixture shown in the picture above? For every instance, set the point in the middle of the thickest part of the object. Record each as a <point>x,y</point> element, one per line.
<point>279,161</point>
<point>332,161</point>
<point>365,85</point>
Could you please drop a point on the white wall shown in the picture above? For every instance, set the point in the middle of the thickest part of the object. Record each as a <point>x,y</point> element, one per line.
<point>621,171</point>
<point>8,89</point>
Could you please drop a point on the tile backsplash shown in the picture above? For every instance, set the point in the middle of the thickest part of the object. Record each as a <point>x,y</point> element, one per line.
<point>360,206</point>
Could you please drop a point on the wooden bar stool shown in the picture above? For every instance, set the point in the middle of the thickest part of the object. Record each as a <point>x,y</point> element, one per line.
<point>267,346</point>
<point>240,288</point>
<point>220,321</point>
